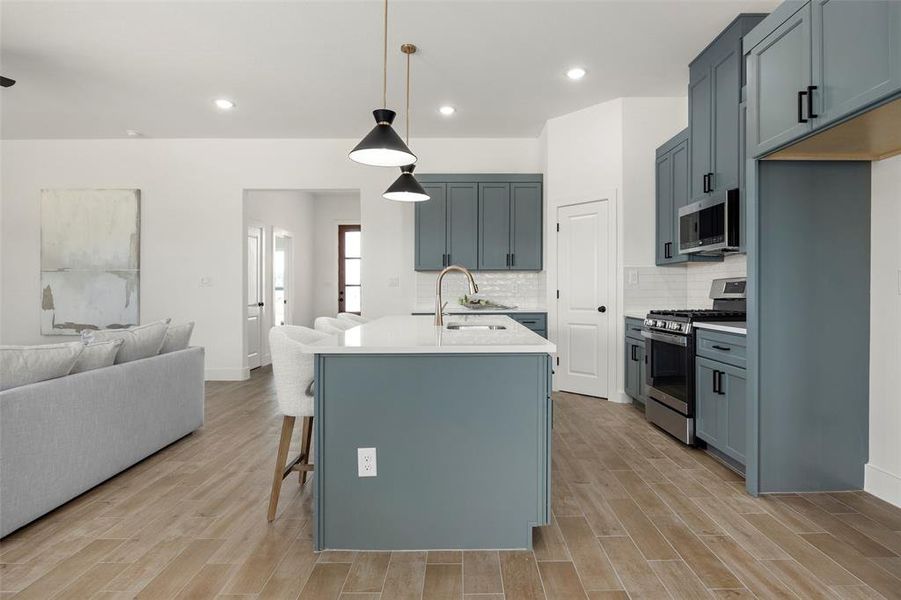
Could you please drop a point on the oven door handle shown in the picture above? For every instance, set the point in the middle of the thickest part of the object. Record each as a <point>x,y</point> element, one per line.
<point>667,338</point>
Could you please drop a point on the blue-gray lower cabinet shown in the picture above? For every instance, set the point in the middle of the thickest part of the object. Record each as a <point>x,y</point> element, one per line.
<point>721,407</point>
<point>635,377</point>
<point>460,466</point>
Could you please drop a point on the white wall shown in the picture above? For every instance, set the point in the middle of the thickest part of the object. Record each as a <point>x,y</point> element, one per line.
<point>331,210</point>
<point>193,223</point>
<point>883,472</point>
<point>607,152</point>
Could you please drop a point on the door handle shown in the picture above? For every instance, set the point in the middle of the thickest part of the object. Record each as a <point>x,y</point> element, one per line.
<point>810,113</point>
<point>260,304</point>
<point>801,118</point>
<point>602,309</point>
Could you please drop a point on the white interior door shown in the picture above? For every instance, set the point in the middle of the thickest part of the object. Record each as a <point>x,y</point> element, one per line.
<point>255,303</point>
<point>582,316</point>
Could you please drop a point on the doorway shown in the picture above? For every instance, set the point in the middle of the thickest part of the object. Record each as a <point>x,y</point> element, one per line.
<point>255,296</point>
<point>282,279</point>
<point>584,296</point>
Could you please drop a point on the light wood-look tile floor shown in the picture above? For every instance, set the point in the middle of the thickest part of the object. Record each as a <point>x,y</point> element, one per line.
<point>636,515</point>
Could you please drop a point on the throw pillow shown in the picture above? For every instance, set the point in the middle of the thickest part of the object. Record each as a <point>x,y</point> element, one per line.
<point>177,337</point>
<point>97,356</point>
<point>21,365</point>
<point>138,342</point>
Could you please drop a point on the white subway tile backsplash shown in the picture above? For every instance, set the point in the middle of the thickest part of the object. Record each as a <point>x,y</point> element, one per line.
<point>678,286</point>
<point>522,289</point>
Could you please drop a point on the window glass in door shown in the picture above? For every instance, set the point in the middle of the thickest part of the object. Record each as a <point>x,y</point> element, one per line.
<point>350,260</point>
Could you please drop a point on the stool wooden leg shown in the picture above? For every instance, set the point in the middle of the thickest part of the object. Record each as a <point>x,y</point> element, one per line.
<point>306,435</point>
<point>283,445</point>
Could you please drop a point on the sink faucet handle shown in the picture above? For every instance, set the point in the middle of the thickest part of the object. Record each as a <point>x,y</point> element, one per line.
<point>443,306</point>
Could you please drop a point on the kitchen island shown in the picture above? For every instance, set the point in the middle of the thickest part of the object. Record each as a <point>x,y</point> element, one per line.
<point>459,416</point>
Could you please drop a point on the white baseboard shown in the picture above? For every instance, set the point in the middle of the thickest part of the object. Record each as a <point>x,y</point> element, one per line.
<point>226,374</point>
<point>882,484</point>
<point>620,397</point>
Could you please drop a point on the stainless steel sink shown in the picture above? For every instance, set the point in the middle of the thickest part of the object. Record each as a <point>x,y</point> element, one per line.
<point>473,327</point>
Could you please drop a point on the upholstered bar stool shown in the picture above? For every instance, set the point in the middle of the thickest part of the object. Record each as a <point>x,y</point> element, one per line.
<point>332,326</point>
<point>292,370</point>
<point>352,318</point>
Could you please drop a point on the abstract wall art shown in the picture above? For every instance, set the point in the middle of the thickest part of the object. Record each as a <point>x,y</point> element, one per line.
<point>90,260</point>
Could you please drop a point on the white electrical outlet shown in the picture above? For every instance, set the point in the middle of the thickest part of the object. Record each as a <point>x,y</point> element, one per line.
<point>366,464</point>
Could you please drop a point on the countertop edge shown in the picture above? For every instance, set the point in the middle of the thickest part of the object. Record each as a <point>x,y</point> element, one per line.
<point>726,327</point>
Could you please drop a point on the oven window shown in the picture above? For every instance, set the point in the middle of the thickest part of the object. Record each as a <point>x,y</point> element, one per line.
<point>668,369</point>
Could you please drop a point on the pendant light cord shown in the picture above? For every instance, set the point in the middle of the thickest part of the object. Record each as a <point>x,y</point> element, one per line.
<point>385,62</point>
<point>408,99</point>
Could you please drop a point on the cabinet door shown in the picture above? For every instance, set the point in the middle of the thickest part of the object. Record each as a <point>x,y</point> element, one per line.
<point>852,55</point>
<point>699,134</point>
<point>494,226</point>
<point>526,234</point>
<point>725,73</point>
<point>779,71</point>
<point>642,373</point>
<point>734,423</point>
<point>681,198</point>
<point>708,403</point>
<point>431,229</point>
<point>664,180</point>
<point>463,225</point>
<point>633,370</point>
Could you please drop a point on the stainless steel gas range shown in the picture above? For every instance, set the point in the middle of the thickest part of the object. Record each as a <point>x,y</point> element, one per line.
<point>670,348</point>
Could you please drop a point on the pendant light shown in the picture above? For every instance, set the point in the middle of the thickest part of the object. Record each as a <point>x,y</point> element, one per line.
<point>405,188</point>
<point>382,147</point>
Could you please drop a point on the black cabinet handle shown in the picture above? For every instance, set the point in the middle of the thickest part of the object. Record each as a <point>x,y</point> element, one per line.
<point>528,322</point>
<point>709,182</point>
<point>449,261</point>
<point>634,348</point>
<point>513,259</point>
<point>638,329</point>
<point>719,383</point>
<point>723,348</point>
<point>666,250</point>
<point>715,391</point>
<point>508,259</point>
<point>704,183</point>
<point>810,113</point>
<point>602,309</point>
<point>801,118</point>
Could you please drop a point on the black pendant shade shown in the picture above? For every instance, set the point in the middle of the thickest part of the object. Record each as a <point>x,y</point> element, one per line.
<point>405,188</point>
<point>7,82</point>
<point>382,147</point>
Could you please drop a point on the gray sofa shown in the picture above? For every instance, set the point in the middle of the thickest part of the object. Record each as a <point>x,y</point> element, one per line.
<point>61,437</point>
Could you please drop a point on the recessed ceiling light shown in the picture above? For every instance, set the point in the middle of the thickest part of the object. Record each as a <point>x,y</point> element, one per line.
<point>447,110</point>
<point>224,104</point>
<point>133,133</point>
<point>576,73</point>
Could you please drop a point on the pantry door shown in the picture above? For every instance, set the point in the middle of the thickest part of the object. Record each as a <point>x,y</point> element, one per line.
<point>583,321</point>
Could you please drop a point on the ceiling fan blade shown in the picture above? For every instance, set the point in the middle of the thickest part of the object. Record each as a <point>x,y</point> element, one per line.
<point>6,81</point>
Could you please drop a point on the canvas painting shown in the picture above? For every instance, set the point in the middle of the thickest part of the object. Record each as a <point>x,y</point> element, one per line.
<point>90,260</point>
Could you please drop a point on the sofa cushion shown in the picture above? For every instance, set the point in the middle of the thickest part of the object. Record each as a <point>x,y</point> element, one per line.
<point>177,337</point>
<point>138,342</point>
<point>97,356</point>
<point>21,365</point>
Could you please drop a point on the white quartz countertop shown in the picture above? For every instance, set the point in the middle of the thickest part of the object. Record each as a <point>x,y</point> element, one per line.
<point>636,314</point>
<point>462,310</point>
<point>739,327</point>
<point>418,335</point>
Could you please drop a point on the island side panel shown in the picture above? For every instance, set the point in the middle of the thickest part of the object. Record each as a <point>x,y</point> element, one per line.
<point>463,450</point>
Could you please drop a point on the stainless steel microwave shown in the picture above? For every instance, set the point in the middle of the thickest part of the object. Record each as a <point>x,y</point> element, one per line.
<point>711,225</point>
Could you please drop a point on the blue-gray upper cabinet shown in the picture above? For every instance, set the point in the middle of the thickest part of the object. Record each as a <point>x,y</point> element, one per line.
<point>526,235</point>
<point>853,60</point>
<point>778,80</point>
<point>494,226</point>
<point>813,64</point>
<point>431,229</point>
<point>714,95</point>
<point>463,225</point>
